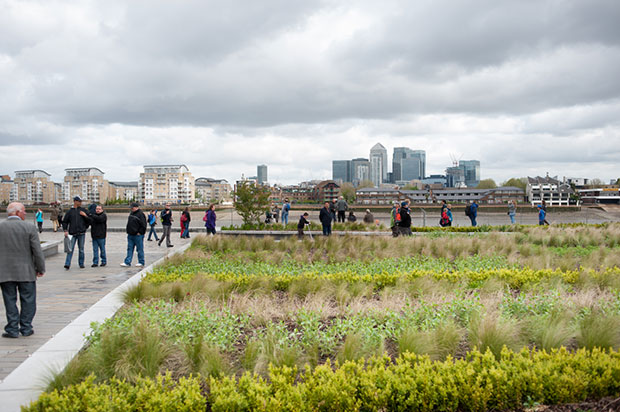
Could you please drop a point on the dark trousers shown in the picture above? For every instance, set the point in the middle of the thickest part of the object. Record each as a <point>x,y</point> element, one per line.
<point>327,229</point>
<point>341,217</point>
<point>300,233</point>
<point>473,220</point>
<point>40,226</point>
<point>16,321</point>
<point>153,232</point>
<point>165,234</point>
<point>210,231</point>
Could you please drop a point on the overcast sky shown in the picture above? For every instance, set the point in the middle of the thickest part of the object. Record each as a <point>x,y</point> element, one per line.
<point>524,86</point>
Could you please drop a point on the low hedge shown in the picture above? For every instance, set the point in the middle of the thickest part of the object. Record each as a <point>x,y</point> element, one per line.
<point>411,382</point>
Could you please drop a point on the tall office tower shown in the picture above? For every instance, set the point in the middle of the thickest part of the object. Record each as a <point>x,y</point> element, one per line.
<point>360,170</point>
<point>378,164</point>
<point>471,170</point>
<point>261,174</point>
<point>408,164</point>
<point>455,176</point>
<point>341,170</point>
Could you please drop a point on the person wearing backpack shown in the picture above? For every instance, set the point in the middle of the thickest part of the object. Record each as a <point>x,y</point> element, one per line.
<point>209,219</point>
<point>152,220</point>
<point>445,218</point>
<point>405,219</point>
<point>471,211</point>
<point>541,215</point>
<point>285,208</point>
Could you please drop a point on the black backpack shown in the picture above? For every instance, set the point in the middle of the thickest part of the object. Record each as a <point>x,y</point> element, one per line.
<point>468,210</point>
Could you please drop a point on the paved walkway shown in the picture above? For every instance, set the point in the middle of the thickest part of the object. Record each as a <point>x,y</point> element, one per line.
<point>63,295</point>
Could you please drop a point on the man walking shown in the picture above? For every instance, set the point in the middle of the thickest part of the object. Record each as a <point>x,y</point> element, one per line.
<point>22,262</point>
<point>473,213</point>
<point>166,224</point>
<point>342,207</point>
<point>325,216</point>
<point>98,232</point>
<point>152,222</point>
<point>405,219</point>
<point>285,208</point>
<point>54,217</point>
<point>136,228</point>
<point>75,223</point>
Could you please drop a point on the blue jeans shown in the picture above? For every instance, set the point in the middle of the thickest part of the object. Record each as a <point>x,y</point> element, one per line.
<point>285,219</point>
<point>80,241</point>
<point>473,220</point>
<point>512,218</point>
<point>135,242</point>
<point>185,232</point>
<point>153,232</point>
<point>99,246</point>
<point>327,229</point>
<point>16,321</point>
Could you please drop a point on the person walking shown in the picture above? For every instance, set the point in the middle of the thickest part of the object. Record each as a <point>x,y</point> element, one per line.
<point>98,233</point>
<point>39,218</point>
<point>325,216</point>
<point>405,219</point>
<point>512,211</point>
<point>22,262</point>
<point>541,215</point>
<point>136,229</point>
<point>342,207</point>
<point>152,220</point>
<point>166,224</point>
<point>185,219</point>
<point>285,209</point>
<point>394,219</point>
<point>449,214</point>
<point>369,218</point>
<point>303,221</point>
<point>210,220</point>
<point>544,208</point>
<point>471,211</point>
<point>54,217</point>
<point>75,223</point>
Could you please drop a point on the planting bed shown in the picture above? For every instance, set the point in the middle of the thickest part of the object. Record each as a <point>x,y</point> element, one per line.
<point>439,322</point>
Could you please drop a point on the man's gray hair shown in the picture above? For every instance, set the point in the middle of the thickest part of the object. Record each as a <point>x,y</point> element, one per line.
<point>13,208</point>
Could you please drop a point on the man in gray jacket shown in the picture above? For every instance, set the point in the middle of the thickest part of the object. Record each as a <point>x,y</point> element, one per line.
<point>22,262</point>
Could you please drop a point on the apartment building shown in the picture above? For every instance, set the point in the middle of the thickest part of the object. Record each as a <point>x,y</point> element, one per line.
<point>87,183</point>
<point>8,191</point>
<point>124,191</point>
<point>549,189</point>
<point>210,190</point>
<point>33,186</point>
<point>159,184</point>
<point>326,191</point>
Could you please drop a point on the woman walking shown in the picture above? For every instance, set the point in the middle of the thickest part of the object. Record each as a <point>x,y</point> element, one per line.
<point>210,220</point>
<point>39,218</point>
<point>512,211</point>
<point>185,219</point>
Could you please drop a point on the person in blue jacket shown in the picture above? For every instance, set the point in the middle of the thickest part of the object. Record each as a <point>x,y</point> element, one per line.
<point>541,215</point>
<point>285,208</point>
<point>473,213</point>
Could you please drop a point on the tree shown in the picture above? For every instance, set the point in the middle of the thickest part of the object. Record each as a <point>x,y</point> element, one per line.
<point>596,182</point>
<point>410,187</point>
<point>365,183</point>
<point>251,201</point>
<point>520,182</point>
<point>347,190</point>
<point>486,184</point>
<point>618,181</point>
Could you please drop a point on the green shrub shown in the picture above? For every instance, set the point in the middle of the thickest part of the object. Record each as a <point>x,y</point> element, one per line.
<point>598,330</point>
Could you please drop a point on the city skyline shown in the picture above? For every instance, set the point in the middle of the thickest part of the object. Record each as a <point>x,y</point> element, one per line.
<point>525,88</point>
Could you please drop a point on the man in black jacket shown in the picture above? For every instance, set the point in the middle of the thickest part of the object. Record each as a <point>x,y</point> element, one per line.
<point>98,233</point>
<point>166,224</point>
<point>136,228</point>
<point>75,223</point>
<point>405,219</point>
<point>325,216</point>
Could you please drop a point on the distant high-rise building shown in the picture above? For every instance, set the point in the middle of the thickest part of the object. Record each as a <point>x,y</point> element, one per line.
<point>261,174</point>
<point>378,164</point>
<point>455,177</point>
<point>341,171</point>
<point>160,184</point>
<point>33,186</point>
<point>86,182</point>
<point>471,170</point>
<point>360,170</point>
<point>408,164</point>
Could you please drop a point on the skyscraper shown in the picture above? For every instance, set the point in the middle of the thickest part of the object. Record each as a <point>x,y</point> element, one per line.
<point>378,164</point>
<point>341,170</point>
<point>471,170</point>
<point>408,164</point>
<point>261,174</point>
<point>360,170</point>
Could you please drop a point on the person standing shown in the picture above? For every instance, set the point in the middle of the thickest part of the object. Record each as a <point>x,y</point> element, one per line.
<point>472,212</point>
<point>185,219</point>
<point>325,216</point>
<point>541,215</point>
<point>303,221</point>
<point>449,214</point>
<point>166,224</point>
<point>512,211</point>
<point>285,209</point>
<point>75,223</point>
<point>342,207</point>
<point>394,219</point>
<point>54,217</point>
<point>136,229</point>
<point>152,219</point>
<point>332,209</point>
<point>98,233</point>
<point>210,220</point>
<point>275,211</point>
<point>405,219</point>
<point>39,219</point>
<point>544,208</point>
<point>22,262</point>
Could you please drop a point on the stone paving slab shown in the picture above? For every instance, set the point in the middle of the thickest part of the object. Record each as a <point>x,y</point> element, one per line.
<point>62,296</point>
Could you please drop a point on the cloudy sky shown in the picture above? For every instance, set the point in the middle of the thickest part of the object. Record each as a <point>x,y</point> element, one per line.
<point>524,86</point>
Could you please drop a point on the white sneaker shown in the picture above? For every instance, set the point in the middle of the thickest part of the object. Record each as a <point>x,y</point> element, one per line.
<point>139,265</point>
<point>125,265</point>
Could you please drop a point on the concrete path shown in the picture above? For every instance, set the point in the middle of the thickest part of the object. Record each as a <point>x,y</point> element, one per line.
<point>63,295</point>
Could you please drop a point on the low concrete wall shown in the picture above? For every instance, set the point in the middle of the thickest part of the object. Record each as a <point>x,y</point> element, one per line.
<point>50,248</point>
